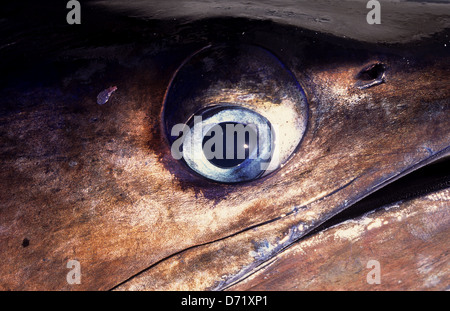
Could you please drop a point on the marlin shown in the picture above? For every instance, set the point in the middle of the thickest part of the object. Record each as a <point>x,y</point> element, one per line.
<point>97,183</point>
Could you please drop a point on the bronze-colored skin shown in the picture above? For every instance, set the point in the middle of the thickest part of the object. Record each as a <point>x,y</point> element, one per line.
<point>97,183</point>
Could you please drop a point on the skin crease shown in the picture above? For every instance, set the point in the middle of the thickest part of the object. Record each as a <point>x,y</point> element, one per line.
<point>97,183</point>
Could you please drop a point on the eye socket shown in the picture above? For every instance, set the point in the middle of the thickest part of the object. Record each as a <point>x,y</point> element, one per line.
<point>234,113</point>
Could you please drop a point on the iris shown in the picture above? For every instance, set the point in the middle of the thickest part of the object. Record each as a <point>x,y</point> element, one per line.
<point>228,144</point>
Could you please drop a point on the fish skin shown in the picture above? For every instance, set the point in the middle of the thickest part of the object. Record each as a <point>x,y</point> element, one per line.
<point>414,260</point>
<point>127,206</point>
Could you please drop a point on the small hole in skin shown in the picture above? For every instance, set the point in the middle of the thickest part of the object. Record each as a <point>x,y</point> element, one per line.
<point>370,76</point>
<point>25,242</point>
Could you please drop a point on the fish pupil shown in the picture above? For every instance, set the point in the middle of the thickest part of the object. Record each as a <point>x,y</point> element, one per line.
<point>229,141</point>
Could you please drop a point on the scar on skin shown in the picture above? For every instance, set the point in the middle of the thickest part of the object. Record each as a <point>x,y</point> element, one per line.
<point>104,95</point>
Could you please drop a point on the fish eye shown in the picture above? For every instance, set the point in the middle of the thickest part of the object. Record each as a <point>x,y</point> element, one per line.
<point>234,113</point>
<point>228,144</point>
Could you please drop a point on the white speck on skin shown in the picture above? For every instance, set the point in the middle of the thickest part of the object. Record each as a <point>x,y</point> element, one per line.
<point>349,233</point>
<point>103,96</point>
<point>375,224</point>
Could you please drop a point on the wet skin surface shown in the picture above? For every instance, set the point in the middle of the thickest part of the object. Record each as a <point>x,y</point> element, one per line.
<point>97,183</point>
